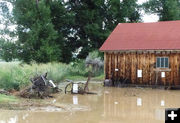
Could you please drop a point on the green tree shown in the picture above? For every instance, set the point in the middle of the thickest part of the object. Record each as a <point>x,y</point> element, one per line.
<point>95,19</point>
<point>63,19</point>
<point>6,20</point>
<point>51,30</point>
<point>36,34</point>
<point>7,50</point>
<point>7,33</point>
<point>165,9</point>
<point>88,32</point>
<point>125,11</point>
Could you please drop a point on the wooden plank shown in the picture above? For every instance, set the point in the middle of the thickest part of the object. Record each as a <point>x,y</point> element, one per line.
<point>152,68</point>
<point>125,70</point>
<point>163,79</point>
<point>172,69</point>
<point>128,70</point>
<point>145,66</point>
<point>148,68</point>
<point>141,67</point>
<point>110,59</point>
<point>121,65</point>
<point>133,68</point>
<point>124,64</point>
<point>176,79</point>
<point>178,68</point>
<point>137,68</point>
<point>105,64</point>
<point>152,62</point>
<point>115,66</point>
<point>112,66</point>
<point>150,72</point>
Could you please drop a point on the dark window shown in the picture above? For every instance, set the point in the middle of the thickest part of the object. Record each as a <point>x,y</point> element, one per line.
<point>166,62</point>
<point>158,62</point>
<point>162,62</point>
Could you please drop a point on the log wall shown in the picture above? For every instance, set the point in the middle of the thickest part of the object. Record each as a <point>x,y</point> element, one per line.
<point>128,63</point>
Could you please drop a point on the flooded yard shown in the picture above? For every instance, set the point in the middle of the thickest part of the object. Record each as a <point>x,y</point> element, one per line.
<point>110,105</point>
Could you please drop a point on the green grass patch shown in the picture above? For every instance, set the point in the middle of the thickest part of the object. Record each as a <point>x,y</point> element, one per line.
<point>5,98</point>
<point>77,78</point>
<point>98,78</point>
<point>82,78</point>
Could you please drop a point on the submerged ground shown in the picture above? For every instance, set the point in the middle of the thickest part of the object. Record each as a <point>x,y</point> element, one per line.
<point>110,105</point>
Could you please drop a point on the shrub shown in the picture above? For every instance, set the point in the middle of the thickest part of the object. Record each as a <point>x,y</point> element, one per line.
<point>78,68</point>
<point>94,60</point>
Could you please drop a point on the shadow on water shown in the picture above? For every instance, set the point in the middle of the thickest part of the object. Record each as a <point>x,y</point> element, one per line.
<point>110,105</point>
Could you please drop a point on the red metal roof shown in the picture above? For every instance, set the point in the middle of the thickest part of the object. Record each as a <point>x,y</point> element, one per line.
<point>163,35</point>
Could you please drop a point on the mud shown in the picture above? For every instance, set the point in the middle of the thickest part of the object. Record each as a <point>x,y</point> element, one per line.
<point>110,105</point>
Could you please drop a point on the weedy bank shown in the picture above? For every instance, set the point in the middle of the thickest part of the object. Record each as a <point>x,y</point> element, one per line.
<point>15,75</point>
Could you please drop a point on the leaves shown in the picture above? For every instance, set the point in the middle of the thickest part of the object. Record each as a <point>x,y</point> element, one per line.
<point>166,9</point>
<point>37,36</point>
<point>94,20</point>
<point>53,30</point>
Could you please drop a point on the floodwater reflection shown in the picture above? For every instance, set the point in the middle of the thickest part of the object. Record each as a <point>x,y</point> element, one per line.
<point>139,102</point>
<point>75,100</point>
<point>110,105</point>
<point>9,118</point>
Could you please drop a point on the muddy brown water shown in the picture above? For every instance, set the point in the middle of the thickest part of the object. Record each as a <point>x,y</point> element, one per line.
<point>110,105</point>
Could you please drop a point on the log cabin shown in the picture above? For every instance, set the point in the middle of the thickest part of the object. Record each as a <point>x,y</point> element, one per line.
<point>144,54</point>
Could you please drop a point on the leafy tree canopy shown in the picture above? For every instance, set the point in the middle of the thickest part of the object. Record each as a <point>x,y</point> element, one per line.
<point>52,30</point>
<point>36,33</point>
<point>95,19</point>
<point>166,9</point>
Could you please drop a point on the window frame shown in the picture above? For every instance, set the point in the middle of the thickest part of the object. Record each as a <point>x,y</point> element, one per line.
<point>160,62</point>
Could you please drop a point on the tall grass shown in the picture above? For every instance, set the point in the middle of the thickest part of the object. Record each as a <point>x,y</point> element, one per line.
<point>14,75</point>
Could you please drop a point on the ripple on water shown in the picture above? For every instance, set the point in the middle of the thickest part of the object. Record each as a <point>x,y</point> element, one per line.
<point>47,109</point>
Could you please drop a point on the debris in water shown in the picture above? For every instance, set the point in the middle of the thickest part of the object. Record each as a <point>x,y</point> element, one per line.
<point>2,91</point>
<point>41,88</point>
<point>54,101</point>
<point>52,83</point>
<point>47,109</point>
<point>25,116</point>
<point>13,120</point>
<point>78,88</point>
<point>75,88</point>
<point>108,82</point>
